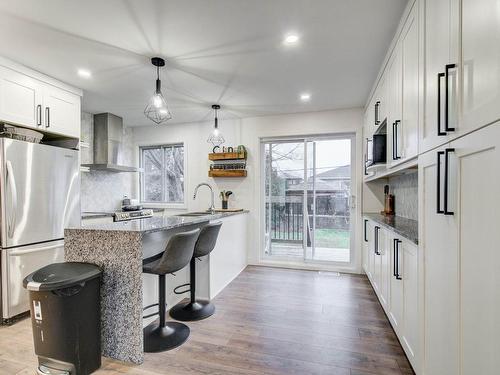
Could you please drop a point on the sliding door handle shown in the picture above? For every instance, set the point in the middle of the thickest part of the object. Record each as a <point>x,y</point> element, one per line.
<point>439,132</point>
<point>446,180</point>
<point>446,102</point>
<point>438,179</point>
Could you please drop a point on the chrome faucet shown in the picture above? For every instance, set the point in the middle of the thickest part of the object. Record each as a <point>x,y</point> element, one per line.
<point>211,209</point>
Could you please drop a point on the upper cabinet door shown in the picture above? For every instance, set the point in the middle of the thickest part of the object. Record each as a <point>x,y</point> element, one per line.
<point>20,99</point>
<point>408,128</point>
<point>61,112</point>
<point>441,39</point>
<point>481,62</point>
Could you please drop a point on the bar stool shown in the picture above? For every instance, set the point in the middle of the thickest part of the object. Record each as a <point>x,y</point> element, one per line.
<point>197,309</point>
<point>162,336</point>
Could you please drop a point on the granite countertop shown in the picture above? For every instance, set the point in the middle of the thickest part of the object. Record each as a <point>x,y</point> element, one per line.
<point>98,214</point>
<point>155,223</point>
<point>407,228</point>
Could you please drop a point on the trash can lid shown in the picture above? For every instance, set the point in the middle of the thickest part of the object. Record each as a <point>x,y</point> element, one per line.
<point>61,275</point>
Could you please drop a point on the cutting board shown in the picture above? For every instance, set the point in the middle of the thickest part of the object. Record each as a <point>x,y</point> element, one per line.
<point>229,210</point>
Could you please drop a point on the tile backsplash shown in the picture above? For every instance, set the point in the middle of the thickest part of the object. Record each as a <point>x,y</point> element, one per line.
<point>405,190</point>
<point>103,190</point>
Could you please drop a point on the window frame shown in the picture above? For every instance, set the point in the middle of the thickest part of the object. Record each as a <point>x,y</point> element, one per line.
<point>162,145</point>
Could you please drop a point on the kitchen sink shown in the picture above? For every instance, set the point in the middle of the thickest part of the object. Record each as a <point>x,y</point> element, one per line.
<point>205,213</point>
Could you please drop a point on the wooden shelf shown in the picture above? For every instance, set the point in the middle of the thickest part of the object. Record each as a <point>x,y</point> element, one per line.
<point>227,173</point>
<point>227,156</point>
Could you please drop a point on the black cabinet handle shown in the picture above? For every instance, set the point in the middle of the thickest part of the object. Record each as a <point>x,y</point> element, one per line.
<point>394,257</point>
<point>39,115</point>
<point>47,117</point>
<point>377,228</point>
<point>395,140</point>
<point>446,105</point>
<point>366,157</point>
<point>377,105</point>
<point>440,133</point>
<point>438,178</point>
<point>366,239</point>
<point>398,275</point>
<point>446,181</point>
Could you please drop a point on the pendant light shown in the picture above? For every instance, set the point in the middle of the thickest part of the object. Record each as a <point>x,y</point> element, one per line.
<point>216,138</point>
<point>157,110</point>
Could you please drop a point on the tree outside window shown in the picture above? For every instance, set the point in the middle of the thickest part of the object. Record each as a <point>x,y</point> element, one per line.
<point>162,178</point>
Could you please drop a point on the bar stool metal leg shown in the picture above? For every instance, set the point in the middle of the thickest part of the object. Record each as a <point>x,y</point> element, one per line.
<point>161,336</point>
<point>193,309</point>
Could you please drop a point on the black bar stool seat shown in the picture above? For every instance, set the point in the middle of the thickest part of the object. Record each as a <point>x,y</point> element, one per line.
<point>197,309</point>
<point>161,335</point>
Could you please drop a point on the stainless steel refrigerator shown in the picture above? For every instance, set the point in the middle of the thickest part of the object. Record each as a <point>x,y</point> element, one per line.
<point>39,197</point>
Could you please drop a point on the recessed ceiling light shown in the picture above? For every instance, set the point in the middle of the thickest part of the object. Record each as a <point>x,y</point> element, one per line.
<point>84,73</point>
<point>305,97</point>
<point>291,39</point>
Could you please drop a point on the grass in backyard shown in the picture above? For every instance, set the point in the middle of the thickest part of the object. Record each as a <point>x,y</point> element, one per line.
<point>335,238</point>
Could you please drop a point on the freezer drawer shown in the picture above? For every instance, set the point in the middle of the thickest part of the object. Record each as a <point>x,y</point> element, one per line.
<point>17,263</point>
<point>39,188</point>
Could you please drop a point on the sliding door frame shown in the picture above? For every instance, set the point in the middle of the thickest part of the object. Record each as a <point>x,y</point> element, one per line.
<point>306,139</point>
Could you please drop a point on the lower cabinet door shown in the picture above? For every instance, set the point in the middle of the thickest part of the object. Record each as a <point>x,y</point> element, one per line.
<point>409,276</point>
<point>384,268</point>
<point>396,285</point>
<point>441,266</point>
<point>474,188</point>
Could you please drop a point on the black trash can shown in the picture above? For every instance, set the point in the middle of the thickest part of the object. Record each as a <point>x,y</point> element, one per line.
<point>66,317</point>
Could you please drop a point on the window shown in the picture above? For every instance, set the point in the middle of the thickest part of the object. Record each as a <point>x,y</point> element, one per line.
<point>162,178</point>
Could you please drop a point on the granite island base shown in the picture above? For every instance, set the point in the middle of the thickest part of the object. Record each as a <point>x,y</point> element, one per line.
<point>119,249</point>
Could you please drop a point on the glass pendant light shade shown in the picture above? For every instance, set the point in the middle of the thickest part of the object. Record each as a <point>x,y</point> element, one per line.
<point>216,138</point>
<point>157,110</point>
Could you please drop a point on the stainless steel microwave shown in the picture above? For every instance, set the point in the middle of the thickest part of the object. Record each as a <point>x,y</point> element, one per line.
<point>376,150</point>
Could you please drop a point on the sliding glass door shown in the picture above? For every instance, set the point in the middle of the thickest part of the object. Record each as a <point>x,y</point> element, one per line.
<point>308,199</point>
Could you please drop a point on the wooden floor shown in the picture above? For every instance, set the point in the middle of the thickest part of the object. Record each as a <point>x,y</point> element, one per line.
<point>268,321</point>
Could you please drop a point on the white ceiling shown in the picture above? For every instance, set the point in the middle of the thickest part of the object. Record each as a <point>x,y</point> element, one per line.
<point>217,51</point>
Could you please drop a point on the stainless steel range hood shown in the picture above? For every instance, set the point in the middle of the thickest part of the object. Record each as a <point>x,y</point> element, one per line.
<point>108,144</point>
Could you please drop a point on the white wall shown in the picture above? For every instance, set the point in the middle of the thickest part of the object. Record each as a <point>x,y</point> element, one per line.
<point>249,131</point>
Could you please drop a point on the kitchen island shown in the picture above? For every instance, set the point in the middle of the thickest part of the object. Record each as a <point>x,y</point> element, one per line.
<point>120,248</point>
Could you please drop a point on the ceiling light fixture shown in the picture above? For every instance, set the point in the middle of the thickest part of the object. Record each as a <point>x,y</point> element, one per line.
<point>216,139</point>
<point>305,97</point>
<point>157,110</point>
<point>84,73</point>
<point>291,39</point>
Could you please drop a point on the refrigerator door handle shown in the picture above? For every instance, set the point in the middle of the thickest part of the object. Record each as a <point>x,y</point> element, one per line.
<point>13,191</point>
<point>29,251</point>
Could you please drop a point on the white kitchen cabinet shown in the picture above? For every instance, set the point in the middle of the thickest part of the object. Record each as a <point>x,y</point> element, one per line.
<point>441,55</point>
<point>403,94</point>
<point>394,275</point>
<point>396,285</point>
<point>394,97</point>
<point>62,113</point>
<point>383,260</point>
<point>408,128</point>
<point>462,303</point>
<point>439,244</point>
<point>411,313</point>
<point>20,98</point>
<point>38,104</point>
<point>366,247</point>
<point>480,63</point>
